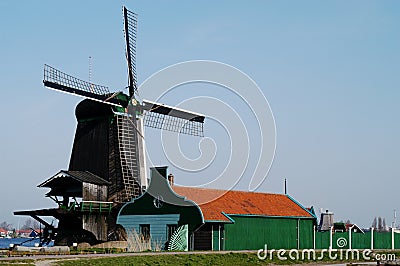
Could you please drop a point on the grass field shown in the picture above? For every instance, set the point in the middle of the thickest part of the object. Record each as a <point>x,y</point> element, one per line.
<point>24,262</point>
<point>233,258</point>
<point>193,259</point>
<point>184,259</point>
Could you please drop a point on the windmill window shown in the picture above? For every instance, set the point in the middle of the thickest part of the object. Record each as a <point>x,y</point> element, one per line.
<point>144,231</point>
<point>170,230</point>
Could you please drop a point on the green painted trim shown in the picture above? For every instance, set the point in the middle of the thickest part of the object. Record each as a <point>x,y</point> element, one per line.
<point>227,216</point>
<point>298,203</point>
<point>185,199</point>
<point>271,216</point>
<point>218,221</point>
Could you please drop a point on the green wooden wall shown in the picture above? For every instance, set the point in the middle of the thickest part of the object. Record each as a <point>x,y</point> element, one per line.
<point>218,236</point>
<point>158,225</point>
<point>382,240</point>
<point>251,233</point>
<point>360,240</point>
<point>397,241</point>
<point>322,240</point>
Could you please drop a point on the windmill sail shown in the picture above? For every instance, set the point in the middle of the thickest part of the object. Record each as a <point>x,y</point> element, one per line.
<point>130,29</point>
<point>133,175</point>
<point>173,119</point>
<point>55,79</point>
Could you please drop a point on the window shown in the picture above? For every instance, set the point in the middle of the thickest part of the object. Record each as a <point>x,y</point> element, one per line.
<point>170,230</point>
<point>144,231</point>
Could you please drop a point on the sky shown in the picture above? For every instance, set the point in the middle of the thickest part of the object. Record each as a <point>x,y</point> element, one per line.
<point>329,70</point>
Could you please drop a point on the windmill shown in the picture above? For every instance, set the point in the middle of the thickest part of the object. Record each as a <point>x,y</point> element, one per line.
<point>108,164</point>
<point>131,115</point>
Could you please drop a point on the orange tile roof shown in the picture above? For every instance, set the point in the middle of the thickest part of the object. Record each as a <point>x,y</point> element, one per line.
<point>213,203</point>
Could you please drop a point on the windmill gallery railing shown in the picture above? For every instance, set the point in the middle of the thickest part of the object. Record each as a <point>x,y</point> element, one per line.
<point>91,206</point>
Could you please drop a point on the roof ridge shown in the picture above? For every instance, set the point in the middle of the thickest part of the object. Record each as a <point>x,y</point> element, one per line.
<point>230,190</point>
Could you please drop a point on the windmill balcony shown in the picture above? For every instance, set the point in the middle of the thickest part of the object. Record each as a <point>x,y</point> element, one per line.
<point>87,206</point>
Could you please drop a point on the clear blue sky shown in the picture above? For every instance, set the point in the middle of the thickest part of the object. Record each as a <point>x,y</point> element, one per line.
<point>328,68</point>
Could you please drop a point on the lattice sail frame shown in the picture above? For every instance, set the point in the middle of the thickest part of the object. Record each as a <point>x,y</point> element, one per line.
<point>60,81</point>
<point>54,75</point>
<point>174,124</point>
<point>130,31</point>
<point>173,119</point>
<point>129,157</point>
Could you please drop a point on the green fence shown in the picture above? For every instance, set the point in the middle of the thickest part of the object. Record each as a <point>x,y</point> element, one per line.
<point>367,240</point>
<point>397,241</point>
<point>361,241</point>
<point>382,240</point>
<point>253,233</point>
<point>322,240</point>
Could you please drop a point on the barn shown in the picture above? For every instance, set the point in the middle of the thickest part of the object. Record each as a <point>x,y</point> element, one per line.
<point>217,219</point>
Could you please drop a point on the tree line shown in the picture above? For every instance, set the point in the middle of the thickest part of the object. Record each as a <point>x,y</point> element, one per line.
<point>29,223</point>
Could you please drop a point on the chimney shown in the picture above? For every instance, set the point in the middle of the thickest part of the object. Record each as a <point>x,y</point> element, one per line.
<point>171,180</point>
